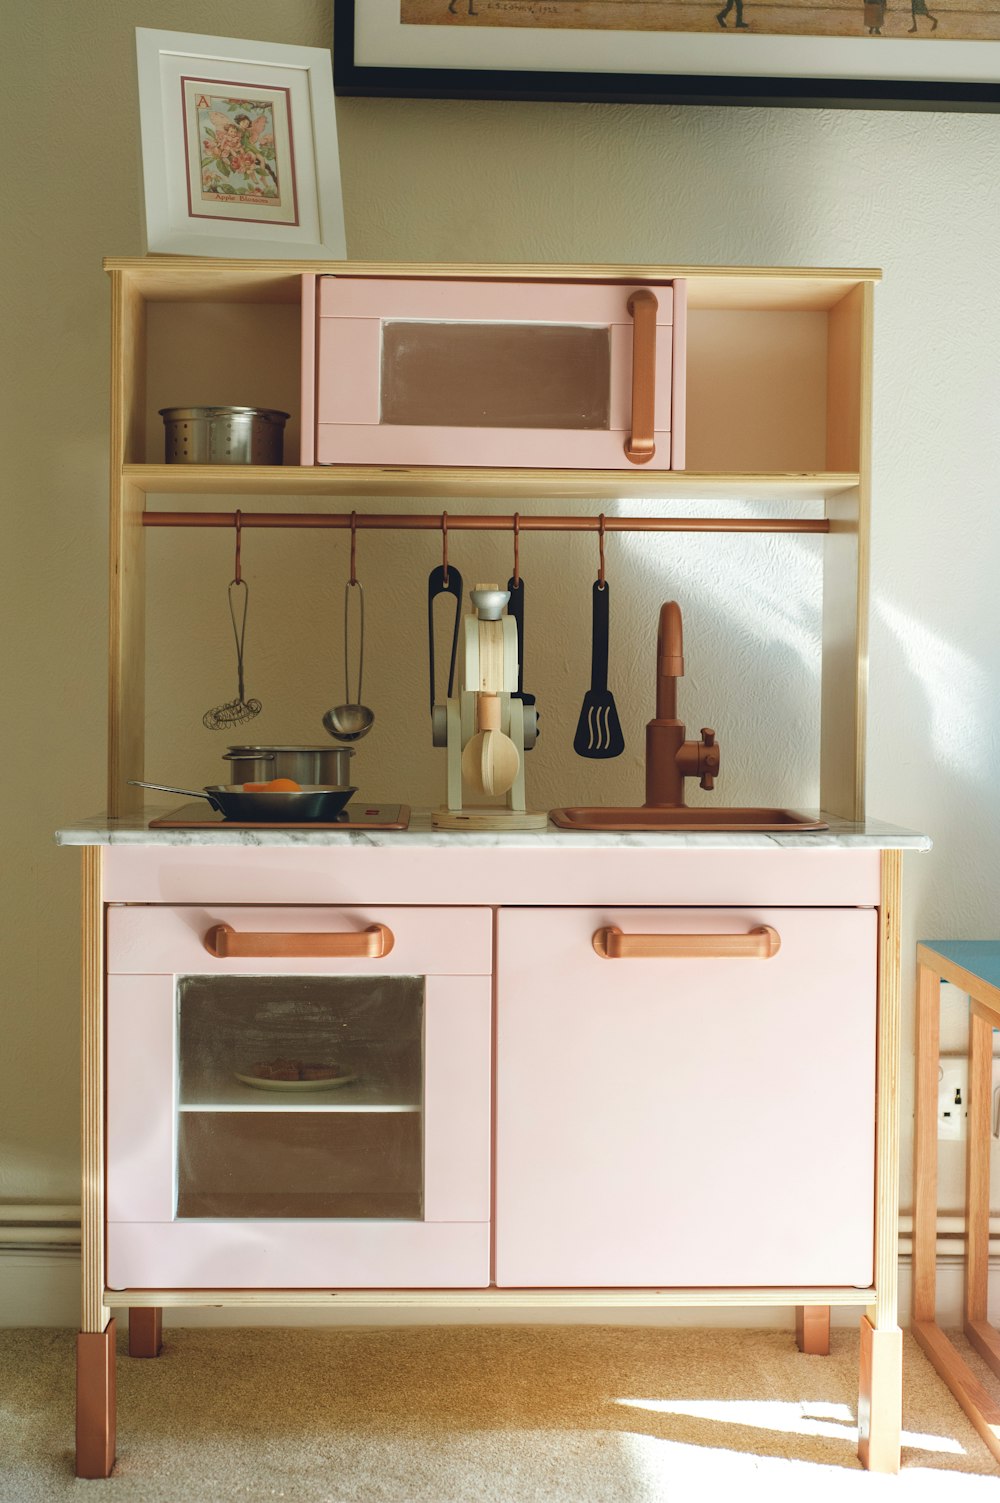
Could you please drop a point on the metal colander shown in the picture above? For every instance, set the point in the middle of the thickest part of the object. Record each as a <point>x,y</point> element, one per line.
<point>223,435</point>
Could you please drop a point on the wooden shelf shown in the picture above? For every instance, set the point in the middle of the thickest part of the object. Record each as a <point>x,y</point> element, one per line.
<point>582,485</point>
<point>200,279</point>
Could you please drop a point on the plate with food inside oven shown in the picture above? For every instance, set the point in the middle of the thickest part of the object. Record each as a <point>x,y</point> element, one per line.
<point>295,1075</point>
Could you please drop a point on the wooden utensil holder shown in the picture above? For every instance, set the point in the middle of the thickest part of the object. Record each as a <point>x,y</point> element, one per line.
<point>487,675</point>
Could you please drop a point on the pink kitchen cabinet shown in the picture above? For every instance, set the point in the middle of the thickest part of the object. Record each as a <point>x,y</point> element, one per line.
<point>520,1119</point>
<point>215,1178</point>
<point>685,1122</point>
<point>561,375</point>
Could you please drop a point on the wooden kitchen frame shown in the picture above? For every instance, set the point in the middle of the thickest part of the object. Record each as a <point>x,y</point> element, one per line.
<point>728,306</point>
<point>833,311</point>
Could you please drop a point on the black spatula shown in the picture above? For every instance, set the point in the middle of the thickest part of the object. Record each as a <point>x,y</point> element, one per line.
<point>598,731</point>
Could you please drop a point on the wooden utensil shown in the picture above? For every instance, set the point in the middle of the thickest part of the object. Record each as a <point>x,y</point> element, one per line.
<point>490,760</point>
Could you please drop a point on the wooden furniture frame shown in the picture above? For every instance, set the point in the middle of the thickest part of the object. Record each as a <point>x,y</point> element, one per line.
<point>846,299</point>
<point>974,967</point>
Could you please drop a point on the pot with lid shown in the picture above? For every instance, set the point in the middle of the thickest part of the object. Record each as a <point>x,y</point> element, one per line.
<point>326,766</point>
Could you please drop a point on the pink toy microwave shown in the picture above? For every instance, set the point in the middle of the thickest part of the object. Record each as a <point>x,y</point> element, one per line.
<point>507,374</point>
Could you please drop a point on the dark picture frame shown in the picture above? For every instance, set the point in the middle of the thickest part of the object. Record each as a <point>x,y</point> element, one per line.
<point>748,90</point>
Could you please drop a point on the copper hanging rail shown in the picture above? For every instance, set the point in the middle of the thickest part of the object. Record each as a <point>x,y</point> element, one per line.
<point>432,522</point>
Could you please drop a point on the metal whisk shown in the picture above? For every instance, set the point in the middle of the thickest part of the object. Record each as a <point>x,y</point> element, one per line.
<point>239,710</point>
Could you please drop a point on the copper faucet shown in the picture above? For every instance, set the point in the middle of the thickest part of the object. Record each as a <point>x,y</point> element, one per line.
<point>669,757</point>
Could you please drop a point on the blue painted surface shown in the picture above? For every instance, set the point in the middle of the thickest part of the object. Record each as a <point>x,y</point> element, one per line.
<point>979,956</point>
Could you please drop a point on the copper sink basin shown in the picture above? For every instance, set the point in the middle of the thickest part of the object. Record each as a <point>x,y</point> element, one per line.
<point>706,820</point>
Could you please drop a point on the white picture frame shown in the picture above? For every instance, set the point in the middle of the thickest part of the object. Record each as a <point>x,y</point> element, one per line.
<point>239,148</point>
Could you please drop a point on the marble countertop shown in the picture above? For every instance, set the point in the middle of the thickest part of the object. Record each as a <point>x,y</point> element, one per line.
<point>842,834</point>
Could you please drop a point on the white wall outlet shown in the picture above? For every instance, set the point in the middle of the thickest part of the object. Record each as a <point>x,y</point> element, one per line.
<point>953,1096</point>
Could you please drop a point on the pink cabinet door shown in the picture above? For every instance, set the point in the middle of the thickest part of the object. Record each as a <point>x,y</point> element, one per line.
<point>297,1122</point>
<point>536,374</point>
<point>685,1121</point>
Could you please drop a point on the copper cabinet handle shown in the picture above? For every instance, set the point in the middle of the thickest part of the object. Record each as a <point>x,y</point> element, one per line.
<point>640,446</point>
<point>759,944</point>
<point>224,942</point>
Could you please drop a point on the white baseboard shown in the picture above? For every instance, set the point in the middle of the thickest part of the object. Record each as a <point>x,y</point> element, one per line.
<point>39,1288</point>
<point>42,1288</point>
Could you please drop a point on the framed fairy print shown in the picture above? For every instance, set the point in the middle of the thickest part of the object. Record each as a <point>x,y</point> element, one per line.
<point>239,148</point>
<point>861,54</point>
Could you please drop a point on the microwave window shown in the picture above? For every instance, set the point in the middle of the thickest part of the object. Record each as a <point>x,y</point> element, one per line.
<point>495,375</point>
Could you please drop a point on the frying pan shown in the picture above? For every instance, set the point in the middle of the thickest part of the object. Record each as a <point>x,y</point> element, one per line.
<point>313,802</point>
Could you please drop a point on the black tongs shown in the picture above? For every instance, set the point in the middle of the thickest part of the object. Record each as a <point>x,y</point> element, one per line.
<point>440,583</point>
<point>515,609</point>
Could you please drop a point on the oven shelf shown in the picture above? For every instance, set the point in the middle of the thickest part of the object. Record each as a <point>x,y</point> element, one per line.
<point>357,1096</point>
<point>289,1104</point>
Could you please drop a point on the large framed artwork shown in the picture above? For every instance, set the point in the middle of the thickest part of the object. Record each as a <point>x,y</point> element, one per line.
<point>239,147</point>
<point>862,54</point>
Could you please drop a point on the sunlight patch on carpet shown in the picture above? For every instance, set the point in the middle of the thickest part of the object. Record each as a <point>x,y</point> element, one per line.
<point>834,1421</point>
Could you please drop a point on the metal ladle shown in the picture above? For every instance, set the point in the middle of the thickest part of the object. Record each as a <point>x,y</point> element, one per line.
<point>352,720</point>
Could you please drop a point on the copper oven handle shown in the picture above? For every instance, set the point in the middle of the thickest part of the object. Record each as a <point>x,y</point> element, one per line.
<point>760,944</point>
<point>640,446</point>
<point>224,942</point>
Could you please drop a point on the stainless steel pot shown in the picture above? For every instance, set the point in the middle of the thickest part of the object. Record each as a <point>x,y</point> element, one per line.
<point>328,766</point>
<point>250,766</point>
<point>223,435</point>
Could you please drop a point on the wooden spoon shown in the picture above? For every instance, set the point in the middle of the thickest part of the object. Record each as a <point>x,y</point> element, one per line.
<point>490,760</point>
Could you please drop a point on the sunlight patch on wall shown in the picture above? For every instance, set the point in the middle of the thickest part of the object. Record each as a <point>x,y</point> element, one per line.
<point>954,688</point>
<point>768,586</point>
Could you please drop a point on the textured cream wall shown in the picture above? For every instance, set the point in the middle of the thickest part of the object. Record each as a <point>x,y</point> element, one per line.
<point>437,180</point>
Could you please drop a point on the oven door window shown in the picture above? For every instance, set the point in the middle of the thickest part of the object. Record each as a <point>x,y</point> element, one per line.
<point>495,375</point>
<point>300,1097</point>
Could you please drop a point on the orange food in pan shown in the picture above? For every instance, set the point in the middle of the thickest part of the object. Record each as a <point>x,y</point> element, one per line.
<point>276,785</point>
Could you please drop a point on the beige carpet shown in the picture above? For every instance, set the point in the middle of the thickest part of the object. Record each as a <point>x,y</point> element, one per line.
<point>479,1415</point>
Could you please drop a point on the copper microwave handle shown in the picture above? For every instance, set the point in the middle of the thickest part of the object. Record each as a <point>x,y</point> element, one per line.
<point>759,944</point>
<point>640,446</point>
<point>226,943</point>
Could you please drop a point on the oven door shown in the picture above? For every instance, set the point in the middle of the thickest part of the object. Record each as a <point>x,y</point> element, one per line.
<point>298,1098</point>
<point>539,374</point>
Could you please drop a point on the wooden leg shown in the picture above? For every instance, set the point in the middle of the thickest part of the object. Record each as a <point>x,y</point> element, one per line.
<point>145,1331</point>
<point>880,1388</point>
<point>980,1406</point>
<point>977,1177</point>
<point>812,1329</point>
<point>925,1145</point>
<point>95,1402</point>
<point>977,1190</point>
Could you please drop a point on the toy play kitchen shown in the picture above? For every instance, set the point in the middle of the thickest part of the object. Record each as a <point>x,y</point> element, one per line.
<point>474,1057</point>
